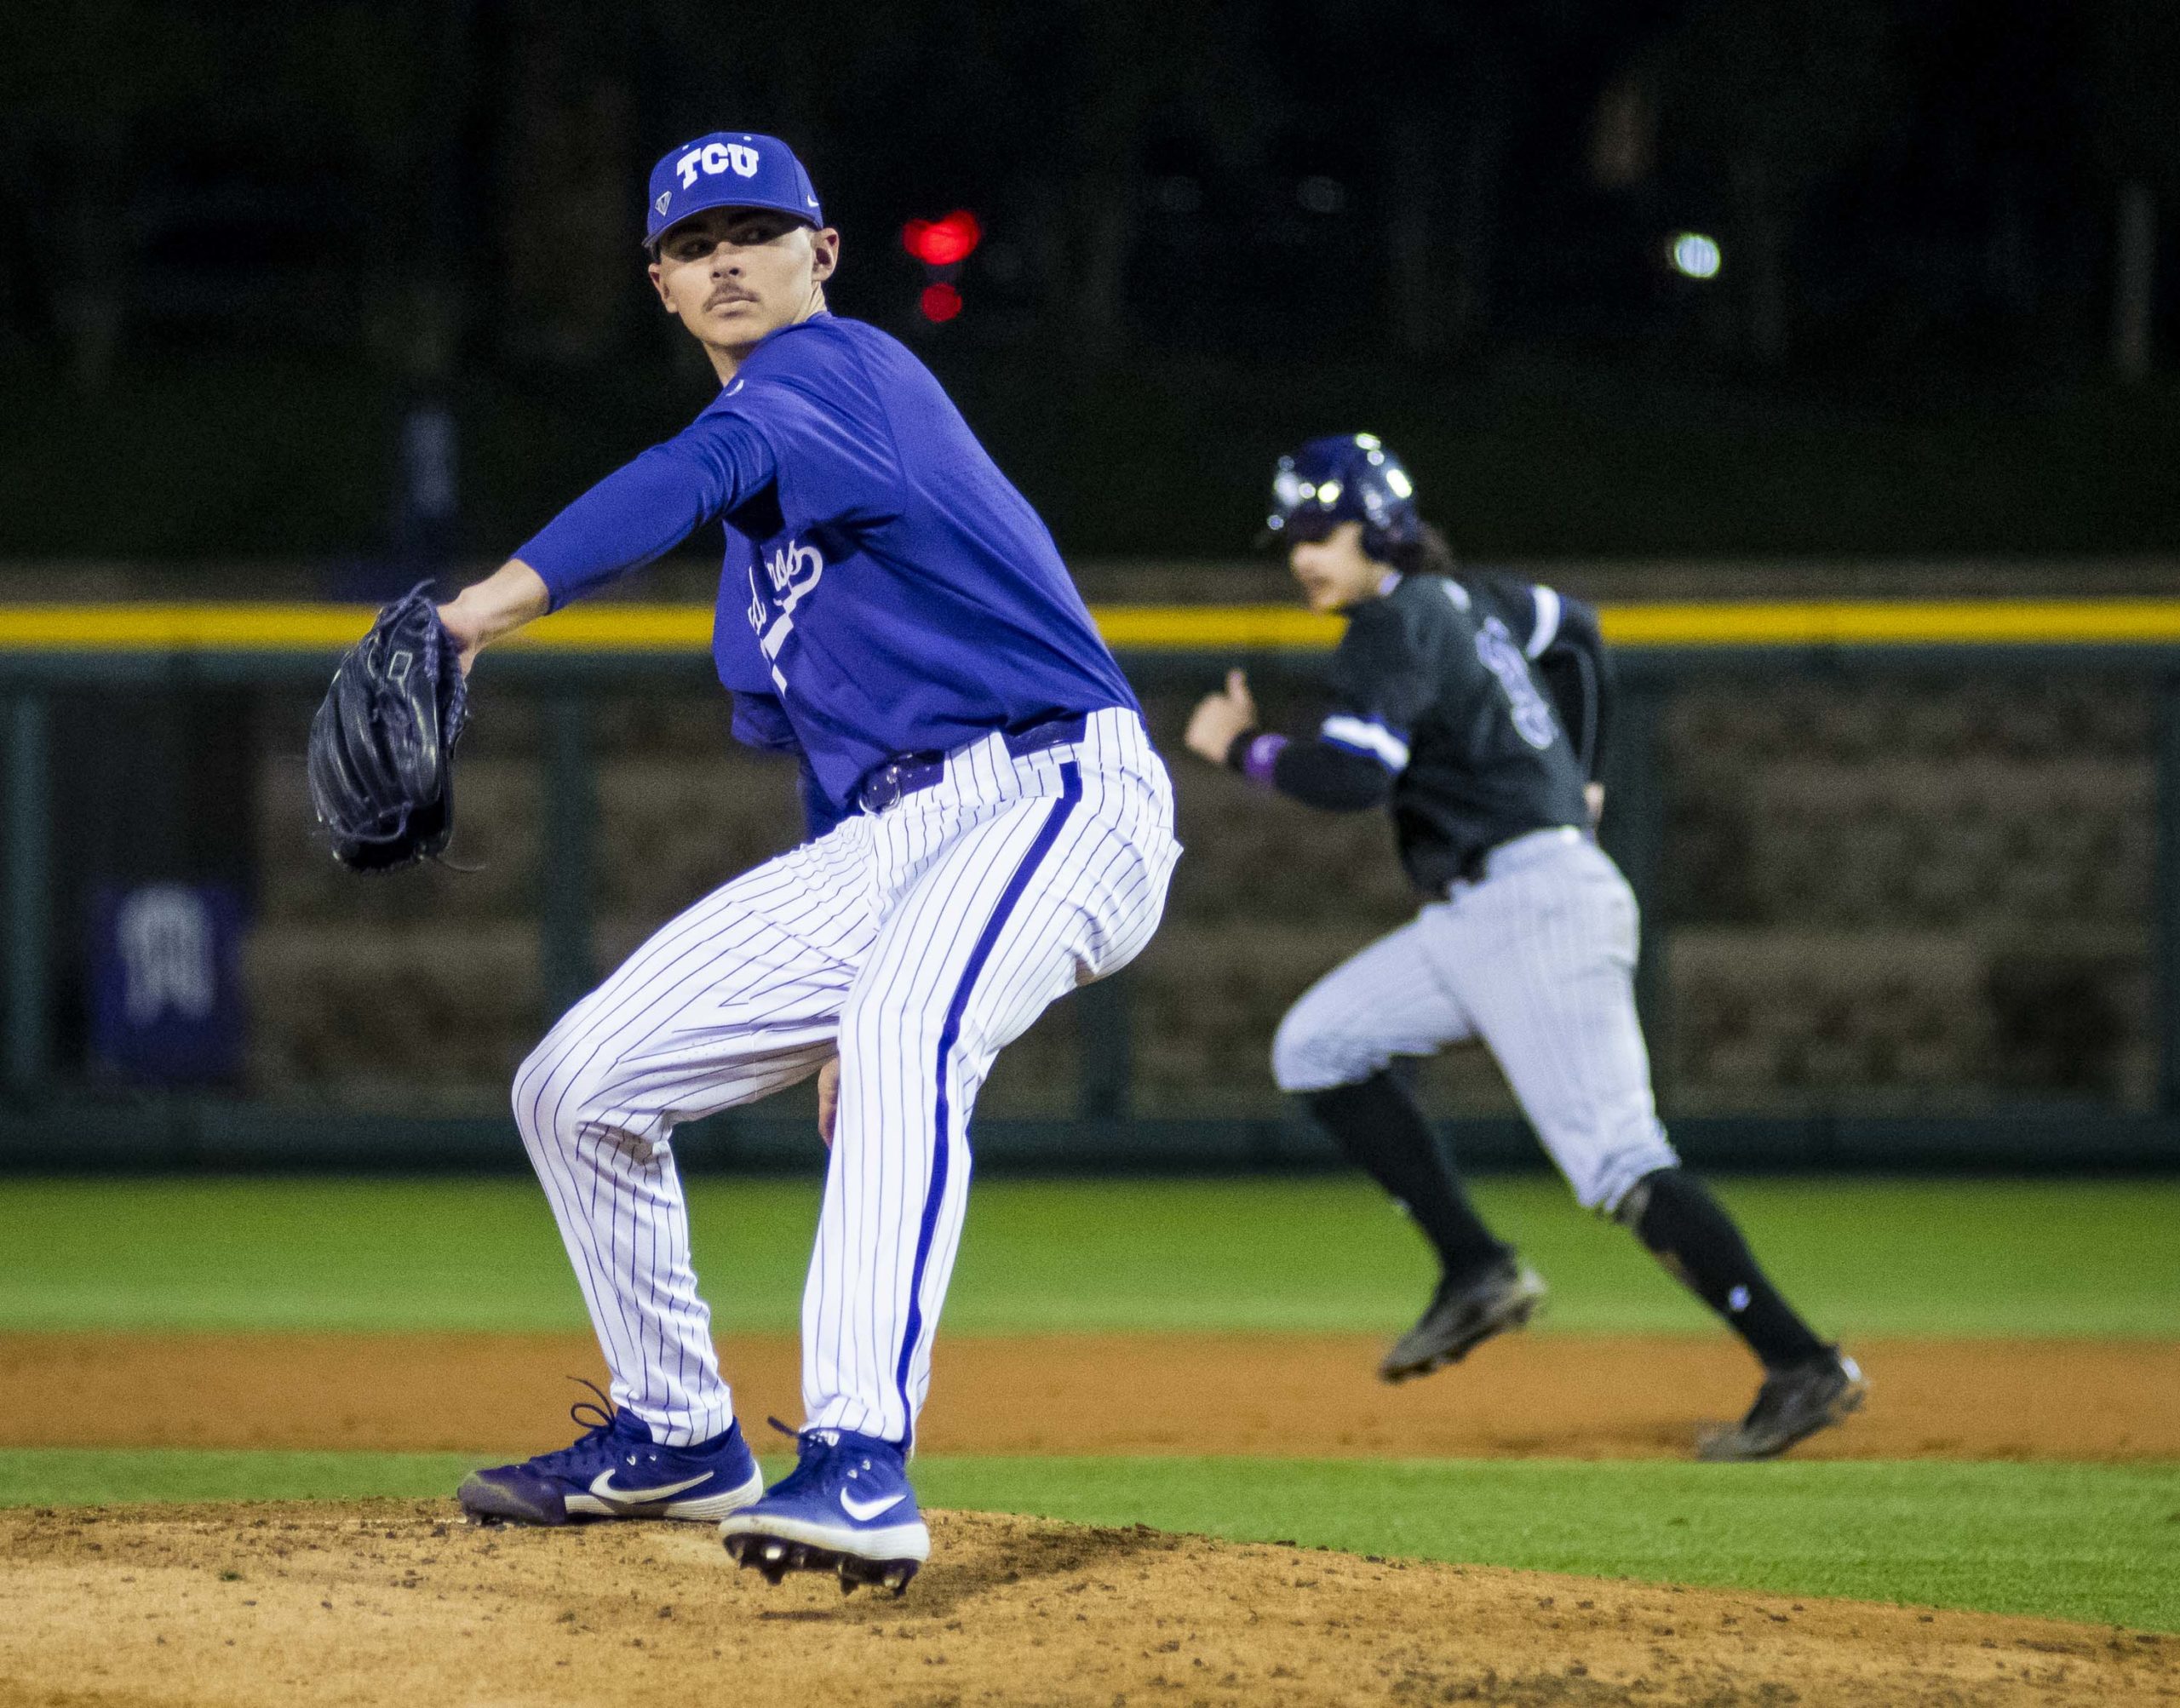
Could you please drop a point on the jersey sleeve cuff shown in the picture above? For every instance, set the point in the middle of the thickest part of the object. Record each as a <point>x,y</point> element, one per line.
<point>1369,736</point>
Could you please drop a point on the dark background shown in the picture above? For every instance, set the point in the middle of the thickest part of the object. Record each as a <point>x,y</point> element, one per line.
<point>358,283</point>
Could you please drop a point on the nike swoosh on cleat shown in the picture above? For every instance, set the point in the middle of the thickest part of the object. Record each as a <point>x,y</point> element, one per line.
<point>862,1512</point>
<point>602,1486</point>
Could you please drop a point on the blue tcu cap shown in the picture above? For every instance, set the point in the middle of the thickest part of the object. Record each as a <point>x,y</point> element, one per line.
<point>1347,476</point>
<point>729,168</point>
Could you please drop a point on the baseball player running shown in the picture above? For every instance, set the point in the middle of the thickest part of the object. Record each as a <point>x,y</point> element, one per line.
<point>1476,712</point>
<point>989,828</point>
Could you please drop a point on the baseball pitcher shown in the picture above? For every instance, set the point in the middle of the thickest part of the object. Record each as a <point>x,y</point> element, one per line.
<point>989,828</point>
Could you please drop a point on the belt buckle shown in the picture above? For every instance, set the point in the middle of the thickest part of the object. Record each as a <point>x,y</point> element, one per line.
<point>883,788</point>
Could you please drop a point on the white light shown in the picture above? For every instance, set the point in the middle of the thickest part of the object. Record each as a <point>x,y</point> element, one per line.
<point>1398,479</point>
<point>1328,494</point>
<point>1695,256</point>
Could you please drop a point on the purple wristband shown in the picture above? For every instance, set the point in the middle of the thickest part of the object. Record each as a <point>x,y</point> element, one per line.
<point>1262,755</point>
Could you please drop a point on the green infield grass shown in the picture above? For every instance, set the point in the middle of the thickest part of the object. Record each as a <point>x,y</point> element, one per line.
<point>129,1476</point>
<point>1865,1257</point>
<point>2098,1542</point>
<point>2065,1541</point>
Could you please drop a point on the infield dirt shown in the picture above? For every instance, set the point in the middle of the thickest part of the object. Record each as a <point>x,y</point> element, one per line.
<point>1562,1395</point>
<point>386,1602</point>
<point>400,1602</point>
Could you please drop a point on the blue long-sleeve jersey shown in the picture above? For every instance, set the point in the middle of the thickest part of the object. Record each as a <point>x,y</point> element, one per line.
<point>886,590</point>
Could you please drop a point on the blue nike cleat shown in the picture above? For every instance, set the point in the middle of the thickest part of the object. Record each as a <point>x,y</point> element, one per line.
<point>846,1507</point>
<point>616,1471</point>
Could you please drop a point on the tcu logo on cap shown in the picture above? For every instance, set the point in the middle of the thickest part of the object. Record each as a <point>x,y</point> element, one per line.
<point>714,158</point>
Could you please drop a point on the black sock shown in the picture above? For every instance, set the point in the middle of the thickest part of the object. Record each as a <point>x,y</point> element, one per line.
<point>1676,1218</point>
<point>1381,1130</point>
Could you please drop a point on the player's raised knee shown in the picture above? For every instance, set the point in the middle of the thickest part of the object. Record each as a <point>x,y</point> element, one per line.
<point>1308,1055</point>
<point>553,1094</point>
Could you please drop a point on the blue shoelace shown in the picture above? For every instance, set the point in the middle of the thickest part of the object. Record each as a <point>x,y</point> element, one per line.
<point>595,1418</point>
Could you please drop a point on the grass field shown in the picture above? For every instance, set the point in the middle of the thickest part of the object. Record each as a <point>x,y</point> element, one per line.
<point>1915,1257</point>
<point>2069,1259</point>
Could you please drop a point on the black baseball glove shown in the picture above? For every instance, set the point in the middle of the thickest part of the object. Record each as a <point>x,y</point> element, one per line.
<point>382,746</point>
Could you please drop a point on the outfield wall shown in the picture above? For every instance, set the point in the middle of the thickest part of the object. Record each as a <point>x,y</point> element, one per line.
<point>1904,867</point>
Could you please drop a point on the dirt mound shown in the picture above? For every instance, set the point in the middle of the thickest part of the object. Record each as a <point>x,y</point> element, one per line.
<point>1576,1395</point>
<point>401,1602</point>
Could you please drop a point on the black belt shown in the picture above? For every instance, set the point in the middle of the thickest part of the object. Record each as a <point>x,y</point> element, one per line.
<point>1470,870</point>
<point>887,785</point>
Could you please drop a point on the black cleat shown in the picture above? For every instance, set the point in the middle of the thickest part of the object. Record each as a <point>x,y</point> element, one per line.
<point>1792,1404</point>
<point>1462,1315</point>
<point>774,1559</point>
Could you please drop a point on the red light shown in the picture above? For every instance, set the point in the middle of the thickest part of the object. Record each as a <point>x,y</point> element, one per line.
<point>940,302</point>
<point>942,243</point>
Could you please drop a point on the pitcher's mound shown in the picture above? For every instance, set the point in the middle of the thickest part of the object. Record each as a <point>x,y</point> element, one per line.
<point>401,1602</point>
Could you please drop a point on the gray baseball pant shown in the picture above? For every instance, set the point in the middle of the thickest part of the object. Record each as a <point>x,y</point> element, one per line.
<point>1536,958</point>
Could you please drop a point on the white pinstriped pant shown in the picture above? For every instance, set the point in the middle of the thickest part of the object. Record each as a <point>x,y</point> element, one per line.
<point>1538,960</point>
<point>919,942</point>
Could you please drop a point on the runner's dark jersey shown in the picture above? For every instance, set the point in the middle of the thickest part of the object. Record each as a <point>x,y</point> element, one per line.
<point>1440,713</point>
